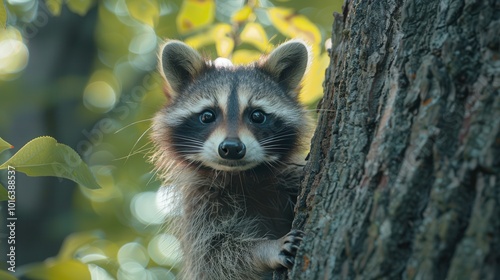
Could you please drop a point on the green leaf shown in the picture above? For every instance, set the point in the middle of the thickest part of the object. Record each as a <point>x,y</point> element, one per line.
<point>75,241</point>
<point>195,14</point>
<point>4,145</point>
<point>294,25</point>
<point>3,195</point>
<point>54,6</point>
<point>43,156</point>
<point>242,15</point>
<point>3,15</point>
<point>255,34</point>
<point>80,7</point>
<point>59,269</point>
<point>147,12</point>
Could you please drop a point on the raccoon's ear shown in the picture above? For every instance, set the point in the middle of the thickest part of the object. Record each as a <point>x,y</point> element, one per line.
<point>179,65</point>
<point>288,63</point>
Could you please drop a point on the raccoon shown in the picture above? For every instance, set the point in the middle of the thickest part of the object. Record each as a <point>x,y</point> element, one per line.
<point>230,142</point>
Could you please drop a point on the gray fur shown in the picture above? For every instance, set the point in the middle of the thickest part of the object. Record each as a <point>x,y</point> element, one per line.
<point>234,224</point>
<point>288,63</point>
<point>179,64</point>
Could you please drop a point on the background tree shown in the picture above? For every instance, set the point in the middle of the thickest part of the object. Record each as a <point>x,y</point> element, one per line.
<point>403,179</point>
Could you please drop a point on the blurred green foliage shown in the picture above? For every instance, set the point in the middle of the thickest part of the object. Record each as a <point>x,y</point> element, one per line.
<point>119,227</point>
<point>3,15</point>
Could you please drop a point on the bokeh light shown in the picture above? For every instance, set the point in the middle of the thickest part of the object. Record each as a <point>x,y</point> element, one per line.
<point>144,207</point>
<point>133,271</point>
<point>165,249</point>
<point>145,42</point>
<point>92,254</point>
<point>13,53</point>
<point>135,253</point>
<point>98,273</point>
<point>99,96</point>
<point>22,2</point>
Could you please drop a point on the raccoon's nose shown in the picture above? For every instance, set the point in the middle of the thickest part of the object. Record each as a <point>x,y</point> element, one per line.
<point>232,148</point>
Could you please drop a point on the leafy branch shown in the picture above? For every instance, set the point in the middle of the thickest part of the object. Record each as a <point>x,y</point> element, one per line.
<point>43,156</point>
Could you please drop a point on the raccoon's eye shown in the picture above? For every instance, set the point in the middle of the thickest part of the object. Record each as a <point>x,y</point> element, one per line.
<point>207,116</point>
<point>257,116</point>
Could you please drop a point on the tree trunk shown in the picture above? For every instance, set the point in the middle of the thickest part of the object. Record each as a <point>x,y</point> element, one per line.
<point>403,180</point>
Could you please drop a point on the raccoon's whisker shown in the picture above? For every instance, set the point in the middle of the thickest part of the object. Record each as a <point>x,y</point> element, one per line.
<point>187,152</point>
<point>187,144</point>
<point>136,142</point>
<point>274,140</point>
<point>263,141</point>
<point>144,151</point>
<point>276,148</point>
<point>277,141</point>
<point>151,151</point>
<point>194,147</point>
<point>187,147</point>
<point>152,177</point>
<point>275,163</point>
<point>271,168</point>
<point>184,136</point>
<point>321,110</point>
<point>130,124</point>
<point>139,151</point>
<point>277,133</point>
<point>276,137</point>
<point>280,134</point>
<point>188,139</point>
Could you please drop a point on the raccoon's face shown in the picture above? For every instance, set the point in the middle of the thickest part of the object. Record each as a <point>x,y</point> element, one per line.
<point>231,118</point>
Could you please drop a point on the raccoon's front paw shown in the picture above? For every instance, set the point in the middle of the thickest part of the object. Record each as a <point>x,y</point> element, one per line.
<point>289,246</point>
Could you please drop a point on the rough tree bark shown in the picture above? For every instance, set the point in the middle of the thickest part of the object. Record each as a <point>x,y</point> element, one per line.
<point>403,180</point>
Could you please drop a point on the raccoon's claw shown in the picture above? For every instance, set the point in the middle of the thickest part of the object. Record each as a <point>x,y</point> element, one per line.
<point>289,261</point>
<point>289,246</point>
